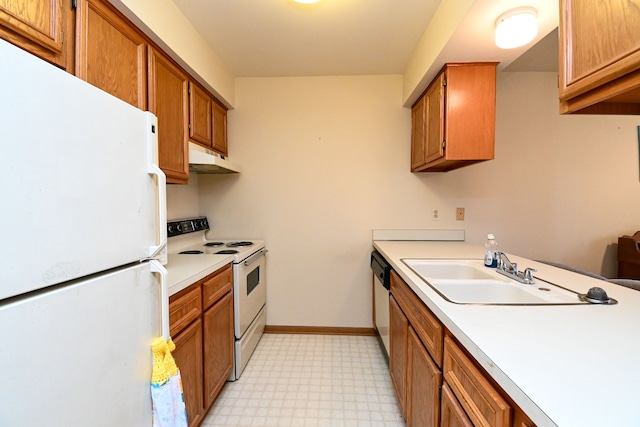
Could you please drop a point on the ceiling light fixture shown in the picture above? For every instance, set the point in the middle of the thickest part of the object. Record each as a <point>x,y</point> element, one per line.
<point>516,27</point>
<point>306,1</point>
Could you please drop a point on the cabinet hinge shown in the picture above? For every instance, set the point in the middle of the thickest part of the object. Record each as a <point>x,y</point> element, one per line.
<point>444,144</point>
<point>444,82</point>
<point>189,126</point>
<point>62,37</point>
<point>74,4</point>
<point>189,89</point>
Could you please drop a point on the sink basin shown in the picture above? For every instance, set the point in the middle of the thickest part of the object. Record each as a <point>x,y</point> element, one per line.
<point>470,282</point>
<point>449,270</point>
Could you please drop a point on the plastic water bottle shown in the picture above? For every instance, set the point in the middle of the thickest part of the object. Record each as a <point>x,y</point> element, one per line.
<point>490,259</point>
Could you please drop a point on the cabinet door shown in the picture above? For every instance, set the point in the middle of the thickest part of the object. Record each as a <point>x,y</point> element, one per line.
<point>452,413</point>
<point>220,128</point>
<point>398,340</point>
<point>111,53</point>
<point>434,116</point>
<point>423,385</point>
<point>188,356</point>
<point>218,347</point>
<point>200,115</point>
<point>168,100</point>
<point>418,142</point>
<point>37,26</point>
<point>599,69</point>
<point>600,41</point>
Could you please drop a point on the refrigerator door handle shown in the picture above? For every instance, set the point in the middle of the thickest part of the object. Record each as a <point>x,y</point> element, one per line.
<point>156,267</point>
<point>154,169</point>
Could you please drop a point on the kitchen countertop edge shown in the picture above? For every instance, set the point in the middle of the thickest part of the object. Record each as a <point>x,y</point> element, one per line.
<point>185,270</point>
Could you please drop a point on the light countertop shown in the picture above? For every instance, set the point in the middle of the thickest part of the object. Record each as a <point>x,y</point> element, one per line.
<point>575,365</point>
<point>184,270</point>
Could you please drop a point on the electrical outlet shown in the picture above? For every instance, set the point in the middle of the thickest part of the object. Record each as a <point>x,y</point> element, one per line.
<point>460,214</point>
<point>436,215</point>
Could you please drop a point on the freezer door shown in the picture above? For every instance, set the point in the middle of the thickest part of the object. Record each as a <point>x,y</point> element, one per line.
<point>80,355</point>
<point>80,193</point>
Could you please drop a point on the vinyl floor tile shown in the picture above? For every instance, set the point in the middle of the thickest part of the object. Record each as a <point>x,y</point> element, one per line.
<point>310,381</point>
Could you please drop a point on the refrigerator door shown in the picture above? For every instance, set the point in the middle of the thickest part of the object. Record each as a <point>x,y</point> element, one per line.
<point>79,188</point>
<point>80,354</point>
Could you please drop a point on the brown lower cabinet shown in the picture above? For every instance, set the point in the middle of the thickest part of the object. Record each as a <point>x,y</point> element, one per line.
<point>451,411</point>
<point>437,382</point>
<point>423,385</point>
<point>481,401</point>
<point>201,323</point>
<point>398,342</point>
<point>188,356</point>
<point>415,374</point>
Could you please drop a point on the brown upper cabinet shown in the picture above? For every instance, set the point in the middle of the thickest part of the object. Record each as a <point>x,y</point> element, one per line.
<point>169,101</point>
<point>453,122</point>
<point>42,27</point>
<point>200,115</point>
<point>103,47</point>
<point>599,67</point>
<point>111,53</point>
<point>207,120</point>
<point>219,128</point>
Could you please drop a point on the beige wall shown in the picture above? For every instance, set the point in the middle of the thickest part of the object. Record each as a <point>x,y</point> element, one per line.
<point>326,160</point>
<point>564,187</point>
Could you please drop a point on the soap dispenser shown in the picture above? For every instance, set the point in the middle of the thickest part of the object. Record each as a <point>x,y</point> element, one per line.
<point>490,258</point>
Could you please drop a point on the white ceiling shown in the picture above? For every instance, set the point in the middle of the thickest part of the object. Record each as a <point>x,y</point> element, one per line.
<point>266,38</point>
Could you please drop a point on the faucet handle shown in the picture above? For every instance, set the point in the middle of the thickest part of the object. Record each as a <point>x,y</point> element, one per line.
<point>528,275</point>
<point>514,268</point>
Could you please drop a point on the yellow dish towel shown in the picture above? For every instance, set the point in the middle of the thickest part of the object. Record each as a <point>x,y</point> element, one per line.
<point>166,387</point>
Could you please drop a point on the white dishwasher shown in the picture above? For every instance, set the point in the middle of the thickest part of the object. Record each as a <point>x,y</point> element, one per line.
<point>381,283</point>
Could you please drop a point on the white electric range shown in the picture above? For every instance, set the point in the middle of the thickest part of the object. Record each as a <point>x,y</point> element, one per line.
<point>192,255</point>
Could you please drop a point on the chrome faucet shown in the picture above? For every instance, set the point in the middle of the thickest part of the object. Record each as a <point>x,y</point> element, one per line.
<point>504,264</point>
<point>510,269</point>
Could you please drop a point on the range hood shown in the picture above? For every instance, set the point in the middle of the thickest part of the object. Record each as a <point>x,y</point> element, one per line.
<point>202,160</point>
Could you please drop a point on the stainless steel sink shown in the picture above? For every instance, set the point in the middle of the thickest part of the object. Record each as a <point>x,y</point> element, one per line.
<point>470,282</point>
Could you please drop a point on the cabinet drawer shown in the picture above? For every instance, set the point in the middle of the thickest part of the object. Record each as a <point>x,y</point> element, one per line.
<point>482,402</point>
<point>426,325</point>
<point>452,413</point>
<point>184,308</point>
<point>216,285</point>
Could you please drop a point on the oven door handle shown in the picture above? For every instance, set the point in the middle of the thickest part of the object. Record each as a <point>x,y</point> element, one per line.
<point>253,258</point>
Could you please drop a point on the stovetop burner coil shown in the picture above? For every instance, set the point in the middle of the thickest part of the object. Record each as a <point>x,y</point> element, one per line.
<point>239,244</point>
<point>227,252</point>
<point>191,252</point>
<point>213,244</point>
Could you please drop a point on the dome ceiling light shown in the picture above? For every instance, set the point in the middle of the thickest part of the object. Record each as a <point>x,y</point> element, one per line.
<point>516,27</point>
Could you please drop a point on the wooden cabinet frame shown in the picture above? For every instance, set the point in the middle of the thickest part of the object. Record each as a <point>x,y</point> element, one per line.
<point>453,122</point>
<point>105,37</point>
<point>43,27</point>
<point>201,323</point>
<point>599,68</point>
<point>169,101</point>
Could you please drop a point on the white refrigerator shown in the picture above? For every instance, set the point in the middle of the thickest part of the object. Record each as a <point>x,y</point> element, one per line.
<point>82,226</point>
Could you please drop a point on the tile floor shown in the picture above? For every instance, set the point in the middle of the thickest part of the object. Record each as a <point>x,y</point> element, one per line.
<point>310,380</point>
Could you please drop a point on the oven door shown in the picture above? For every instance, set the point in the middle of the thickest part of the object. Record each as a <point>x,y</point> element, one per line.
<point>250,290</point>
